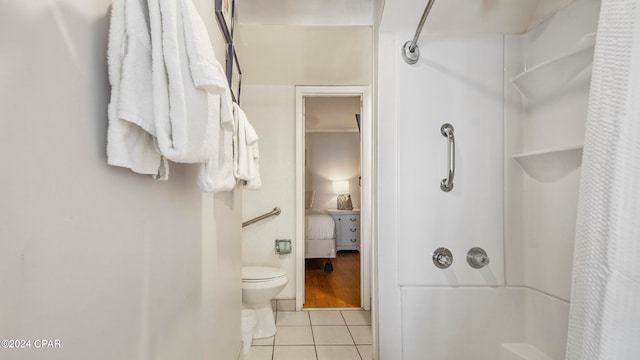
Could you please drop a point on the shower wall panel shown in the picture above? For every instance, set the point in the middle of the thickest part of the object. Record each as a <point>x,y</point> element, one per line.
<point>458,80</point>
<point>445,323</point>
<point>541,212</point>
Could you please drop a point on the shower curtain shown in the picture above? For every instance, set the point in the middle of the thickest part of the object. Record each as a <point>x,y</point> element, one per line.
<point>605,302</point>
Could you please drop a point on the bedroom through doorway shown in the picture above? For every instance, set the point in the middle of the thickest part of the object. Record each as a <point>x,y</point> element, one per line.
<point>332,188</point>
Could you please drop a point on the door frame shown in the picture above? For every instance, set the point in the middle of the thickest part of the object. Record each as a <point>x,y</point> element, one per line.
<point>366,168</point>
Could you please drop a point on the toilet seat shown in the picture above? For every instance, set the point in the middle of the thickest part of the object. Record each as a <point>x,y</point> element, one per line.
<point>253,274</point>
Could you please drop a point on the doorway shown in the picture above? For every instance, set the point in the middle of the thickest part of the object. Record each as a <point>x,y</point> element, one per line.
<point>332,201</point>
<point>333,158</point>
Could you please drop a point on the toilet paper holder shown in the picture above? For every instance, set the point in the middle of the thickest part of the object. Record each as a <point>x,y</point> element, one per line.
<point>283,247</point>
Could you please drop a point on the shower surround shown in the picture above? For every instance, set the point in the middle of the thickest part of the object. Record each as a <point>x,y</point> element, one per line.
<point>505,137</point>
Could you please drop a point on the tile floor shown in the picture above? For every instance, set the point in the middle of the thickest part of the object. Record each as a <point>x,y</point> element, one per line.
<point>316,335</point>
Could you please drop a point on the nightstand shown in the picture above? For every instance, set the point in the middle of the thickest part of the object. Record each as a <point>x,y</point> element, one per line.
<point>347,229</point>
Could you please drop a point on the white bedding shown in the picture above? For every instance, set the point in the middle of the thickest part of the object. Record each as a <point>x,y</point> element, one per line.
<point>320,226</point>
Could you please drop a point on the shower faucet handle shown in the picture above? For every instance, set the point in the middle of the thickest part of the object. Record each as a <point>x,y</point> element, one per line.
<point>442,258</point>
<point>477,258</point>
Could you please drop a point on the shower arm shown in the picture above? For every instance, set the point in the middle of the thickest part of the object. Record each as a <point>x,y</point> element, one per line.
<point>410,51</point>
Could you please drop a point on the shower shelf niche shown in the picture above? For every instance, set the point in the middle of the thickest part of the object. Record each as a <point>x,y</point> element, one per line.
<point>552,76</point>
<point>550,165</point>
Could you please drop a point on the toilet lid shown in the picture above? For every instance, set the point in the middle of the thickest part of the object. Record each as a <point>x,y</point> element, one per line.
<point>261,273</point>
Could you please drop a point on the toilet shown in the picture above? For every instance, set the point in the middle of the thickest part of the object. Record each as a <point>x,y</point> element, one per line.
<point>259,285</point>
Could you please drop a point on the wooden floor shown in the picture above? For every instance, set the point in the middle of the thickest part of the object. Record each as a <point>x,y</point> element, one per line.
<point>337,289</point>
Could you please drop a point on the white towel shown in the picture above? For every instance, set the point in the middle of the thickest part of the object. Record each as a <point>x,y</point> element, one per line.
<point>256,182</point>
<point>246,154</point>
<point>206,71</point>
<point>181,110</point>
<point>240,154</point>
<point>130,142</point>
<point>216,174</point>
<point>136,86</point>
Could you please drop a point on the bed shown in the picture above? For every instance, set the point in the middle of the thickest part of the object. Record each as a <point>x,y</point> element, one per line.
<point>320,235</point>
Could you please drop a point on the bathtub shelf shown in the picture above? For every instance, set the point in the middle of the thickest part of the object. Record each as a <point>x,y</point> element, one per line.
<point>550,165</point>
<point>552,76</point>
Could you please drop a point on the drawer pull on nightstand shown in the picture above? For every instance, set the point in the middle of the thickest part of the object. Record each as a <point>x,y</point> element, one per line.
<point>347,229</point>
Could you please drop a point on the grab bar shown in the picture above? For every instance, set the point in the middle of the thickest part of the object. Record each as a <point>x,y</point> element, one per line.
<point>447,131</point>
<point>275,211</point>
<point>410,51</point>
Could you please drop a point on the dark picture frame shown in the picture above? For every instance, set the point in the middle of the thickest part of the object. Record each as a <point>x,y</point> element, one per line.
<point>225,13</point>
<point>234,73</point>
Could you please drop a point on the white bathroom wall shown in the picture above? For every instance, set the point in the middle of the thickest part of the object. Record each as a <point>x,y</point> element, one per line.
<point>471,16</point>
<point>388,295</point>
<point>111,263</point>
<point>270,109</point>
<point>274,59</point>
<point>305,13</point>
<point>304,55</point>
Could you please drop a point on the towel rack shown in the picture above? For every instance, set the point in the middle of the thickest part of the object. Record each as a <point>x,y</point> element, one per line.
<point>275,211</point>
<point>410,51</point>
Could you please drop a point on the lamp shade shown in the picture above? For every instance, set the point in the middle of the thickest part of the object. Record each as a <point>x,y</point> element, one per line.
<point>341,187</point>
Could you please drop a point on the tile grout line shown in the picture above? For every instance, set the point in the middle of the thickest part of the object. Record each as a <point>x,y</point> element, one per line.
<point>315,349</point>
<point>273,348</point>
<point>354,340</point>
<point>359,354</point>
<point>351,334</point>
